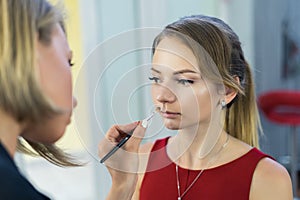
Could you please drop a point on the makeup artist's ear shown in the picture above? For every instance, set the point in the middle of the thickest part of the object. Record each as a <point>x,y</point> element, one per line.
<point>230,92</point>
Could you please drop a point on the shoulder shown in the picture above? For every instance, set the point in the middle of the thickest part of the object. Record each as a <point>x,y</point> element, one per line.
<point>270,181</point>
<point>14,186</point>
<point>9,173</point>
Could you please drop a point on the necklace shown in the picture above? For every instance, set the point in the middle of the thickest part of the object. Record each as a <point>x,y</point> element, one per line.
<point>199,174</point>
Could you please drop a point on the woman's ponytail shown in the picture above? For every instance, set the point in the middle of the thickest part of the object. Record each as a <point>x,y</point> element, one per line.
<point>242,118</point>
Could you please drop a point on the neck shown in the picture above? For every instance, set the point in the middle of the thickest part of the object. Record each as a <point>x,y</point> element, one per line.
<point>195,147</point>
<point>10,130</point>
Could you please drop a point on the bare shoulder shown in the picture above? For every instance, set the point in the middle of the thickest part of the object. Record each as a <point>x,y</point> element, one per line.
<point>270,181</point>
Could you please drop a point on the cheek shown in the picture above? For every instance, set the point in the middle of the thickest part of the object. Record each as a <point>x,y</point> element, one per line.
<point>204,100</point>
<point>196,103</point>
<point>48,131</point>
<point>56,81</point>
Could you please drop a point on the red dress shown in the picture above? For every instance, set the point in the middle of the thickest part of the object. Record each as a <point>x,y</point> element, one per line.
<point>230,181</point>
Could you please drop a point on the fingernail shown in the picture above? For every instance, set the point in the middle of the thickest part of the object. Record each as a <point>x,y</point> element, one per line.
<point>144,123</point>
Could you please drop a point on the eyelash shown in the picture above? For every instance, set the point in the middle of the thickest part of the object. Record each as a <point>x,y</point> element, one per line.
<point>154,79</point>
<point>184,82</point>
<point>71,64</point>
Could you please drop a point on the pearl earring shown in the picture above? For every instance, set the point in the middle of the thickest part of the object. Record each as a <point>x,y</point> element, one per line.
<point>223,104</point>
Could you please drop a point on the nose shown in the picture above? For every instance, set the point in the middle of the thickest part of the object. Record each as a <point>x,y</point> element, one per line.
<point>165,95</point>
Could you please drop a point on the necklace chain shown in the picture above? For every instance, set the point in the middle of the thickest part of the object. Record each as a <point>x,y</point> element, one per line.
<point>199,174</point>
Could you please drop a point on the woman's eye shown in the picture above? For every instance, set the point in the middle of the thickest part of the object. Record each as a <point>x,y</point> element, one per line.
<point>154,79</point>
<point>185,81</point>
<point>70,63</point>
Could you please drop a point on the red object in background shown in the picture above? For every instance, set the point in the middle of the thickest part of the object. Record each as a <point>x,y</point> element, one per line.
<point>281,106</point>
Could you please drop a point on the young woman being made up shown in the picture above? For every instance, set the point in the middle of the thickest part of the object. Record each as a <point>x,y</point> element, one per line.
<point>203,87</point>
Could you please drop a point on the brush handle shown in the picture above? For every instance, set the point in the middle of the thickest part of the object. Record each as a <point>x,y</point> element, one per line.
<point>118,146</point>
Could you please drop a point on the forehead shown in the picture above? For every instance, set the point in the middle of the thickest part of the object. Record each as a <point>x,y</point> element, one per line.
<point>172,54</point>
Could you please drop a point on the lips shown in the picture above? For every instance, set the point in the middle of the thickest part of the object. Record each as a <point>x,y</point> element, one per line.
<point>170,115</point>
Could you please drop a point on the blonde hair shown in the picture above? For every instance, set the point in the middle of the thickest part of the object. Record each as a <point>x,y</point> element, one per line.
<point>21,23</point>
<point>223,47</point>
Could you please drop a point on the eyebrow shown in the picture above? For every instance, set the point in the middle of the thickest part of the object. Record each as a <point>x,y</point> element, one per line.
<point>178,72</point>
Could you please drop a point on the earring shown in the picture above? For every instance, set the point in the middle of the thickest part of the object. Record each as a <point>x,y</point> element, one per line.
<point>223,104</point>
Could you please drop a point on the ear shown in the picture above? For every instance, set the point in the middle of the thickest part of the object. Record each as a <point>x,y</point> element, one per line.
<point>231,93</point>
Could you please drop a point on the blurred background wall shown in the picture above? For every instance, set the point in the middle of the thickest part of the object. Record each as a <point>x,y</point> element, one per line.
<point>262,25</point>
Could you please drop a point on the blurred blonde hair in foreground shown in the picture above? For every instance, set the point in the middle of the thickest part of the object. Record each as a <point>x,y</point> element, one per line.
<point>22,23</point>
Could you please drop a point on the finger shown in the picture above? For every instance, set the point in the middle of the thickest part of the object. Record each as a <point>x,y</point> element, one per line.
<point>136,138</point>
<point>127,128</point>
<point>112,134</point>
<point>116,132</point>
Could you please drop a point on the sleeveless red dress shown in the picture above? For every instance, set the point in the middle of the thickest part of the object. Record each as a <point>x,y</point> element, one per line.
<point>230,181</point>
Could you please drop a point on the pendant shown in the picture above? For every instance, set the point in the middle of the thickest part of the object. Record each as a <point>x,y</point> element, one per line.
<point>179,198</point>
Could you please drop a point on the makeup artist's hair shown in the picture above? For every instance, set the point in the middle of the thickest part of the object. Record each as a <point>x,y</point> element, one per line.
<point>223,47</point>
<point>21,23</point>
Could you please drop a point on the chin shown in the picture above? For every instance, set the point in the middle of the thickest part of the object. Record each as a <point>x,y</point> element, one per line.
<point>54,131</point>
<point>47,131</point>
<point>55,135</point>
<point>49,136</point>
<point>171,126</point>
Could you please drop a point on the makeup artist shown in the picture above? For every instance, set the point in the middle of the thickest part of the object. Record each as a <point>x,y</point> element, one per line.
<point>36,99</point>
